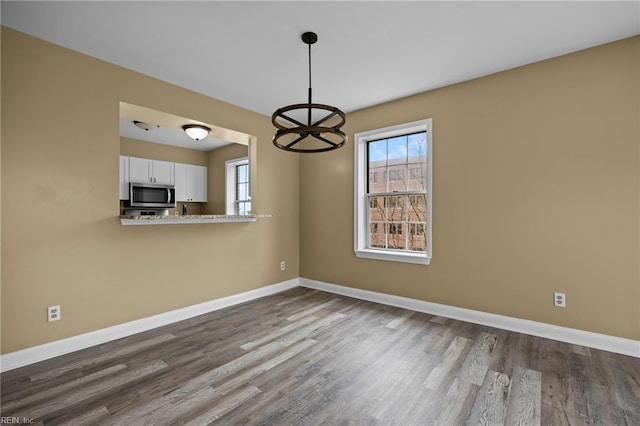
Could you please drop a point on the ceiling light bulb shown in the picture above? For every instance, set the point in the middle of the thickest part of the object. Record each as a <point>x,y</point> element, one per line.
<point>196,131</point>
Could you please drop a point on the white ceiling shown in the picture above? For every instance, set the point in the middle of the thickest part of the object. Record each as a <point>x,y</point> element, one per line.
<point>168,136</point>
<point>250,53</point>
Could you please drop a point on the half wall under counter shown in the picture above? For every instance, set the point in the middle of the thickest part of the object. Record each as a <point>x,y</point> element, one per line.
<point>184,220</point>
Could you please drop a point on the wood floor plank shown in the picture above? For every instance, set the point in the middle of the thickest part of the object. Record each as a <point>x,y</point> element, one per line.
<point>252,373</point>
<point>490,406</point>
<point>279,332</point>
<point>477,361</point>
<point>173,413</point>
<point>104,357</point>
<point>89,418</point>
<point>457,403</point>
<point>395,323</point>
<point>66,399</point>
<point>62,388</point>
<point>448,361</point>
<point>524,397</point>
<point>225,406</point>
<point>307,357</point>
<point>312,310</point>
<point>438,320</point>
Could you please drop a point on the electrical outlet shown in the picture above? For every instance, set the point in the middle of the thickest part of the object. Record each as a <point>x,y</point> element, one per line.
<point>559,300</point>
<point>283,266</point>
<point>54,313</point>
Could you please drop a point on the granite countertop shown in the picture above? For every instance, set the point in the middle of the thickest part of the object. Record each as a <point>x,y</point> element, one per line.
<point>183,219</point>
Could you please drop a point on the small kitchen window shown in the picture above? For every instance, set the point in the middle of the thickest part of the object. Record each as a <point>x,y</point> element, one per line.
<point>238,190</point>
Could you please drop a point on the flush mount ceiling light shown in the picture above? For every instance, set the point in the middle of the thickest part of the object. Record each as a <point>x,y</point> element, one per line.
<point>145,126</point>
<point>196,131</point>
<point>309,127</point>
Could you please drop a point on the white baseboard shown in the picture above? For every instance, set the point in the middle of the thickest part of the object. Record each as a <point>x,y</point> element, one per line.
<point>549,331</point>
<point>39,353</point>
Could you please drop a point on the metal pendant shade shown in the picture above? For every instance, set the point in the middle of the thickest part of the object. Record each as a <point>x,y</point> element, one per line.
<point>309,127</point>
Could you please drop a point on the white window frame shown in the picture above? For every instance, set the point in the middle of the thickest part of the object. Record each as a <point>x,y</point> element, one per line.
<point>230,183</point>
<point>361,202</point>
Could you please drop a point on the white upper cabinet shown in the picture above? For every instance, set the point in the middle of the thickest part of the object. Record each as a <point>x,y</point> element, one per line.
<point>124,177</point>
<point>181,182</point>
<point>197,183</point>
<point>143,170</point>
<point>191,183</point>
<point>139,170</point>
<point>163,172</point>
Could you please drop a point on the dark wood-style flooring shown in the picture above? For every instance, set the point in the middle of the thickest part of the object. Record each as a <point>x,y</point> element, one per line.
<point>308,357</point>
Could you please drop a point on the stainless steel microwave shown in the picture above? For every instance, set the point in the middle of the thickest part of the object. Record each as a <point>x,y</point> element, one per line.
<point>152,195</point>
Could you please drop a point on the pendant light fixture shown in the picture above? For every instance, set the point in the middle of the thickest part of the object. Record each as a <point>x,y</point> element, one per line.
<point>196,131</point>
<point>309,127</point>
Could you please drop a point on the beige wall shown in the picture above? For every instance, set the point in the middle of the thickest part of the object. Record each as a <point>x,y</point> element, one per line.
<point>217,174</point>
<point>0,193</point>
<point>535,190</point>
<point>62,242</point>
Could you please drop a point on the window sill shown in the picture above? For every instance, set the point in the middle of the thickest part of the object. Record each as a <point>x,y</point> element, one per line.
<point>392,256</point>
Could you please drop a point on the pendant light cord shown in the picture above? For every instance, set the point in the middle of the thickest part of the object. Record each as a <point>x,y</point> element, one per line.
<point>309,69</point>
<point>309,109</point>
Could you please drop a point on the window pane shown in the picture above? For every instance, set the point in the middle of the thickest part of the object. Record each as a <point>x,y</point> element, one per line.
<point>396,177</point>
<point>416,237</point>
<point>243,191</point>
<point>395,236</point>
<point>398,149</point>
<point>417,147</point>
<point>395,207</point>
<point>243,207</point>
<point>242,173</point>
<point>397,164</point>
<point>377,235</point>
<point>378,152</point>
<point>416,208</point>
<point>377,155</point>
<point>377,209</point>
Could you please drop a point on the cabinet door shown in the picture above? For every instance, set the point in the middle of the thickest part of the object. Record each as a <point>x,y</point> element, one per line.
<point>181,181</point>
<point>124,177</point>
<point>163,172</point>
<point>140,170</point>
<point>197,183</point>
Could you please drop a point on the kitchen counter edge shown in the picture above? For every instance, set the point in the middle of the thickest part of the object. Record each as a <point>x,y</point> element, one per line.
<point>184,220</point>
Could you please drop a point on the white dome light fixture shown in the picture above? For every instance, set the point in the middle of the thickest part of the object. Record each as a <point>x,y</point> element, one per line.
<point>196,131</point>
<point>145,126</point>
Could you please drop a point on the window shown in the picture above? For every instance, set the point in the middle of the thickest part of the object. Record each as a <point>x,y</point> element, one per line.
<point>393,176</point>
<point>416,173</point>
<point>393,193</point>
<point>238,195</point>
